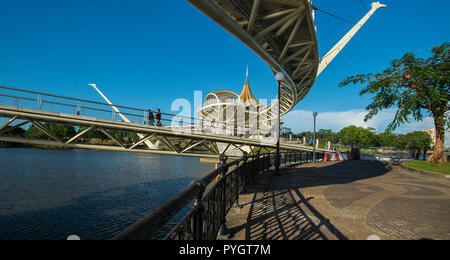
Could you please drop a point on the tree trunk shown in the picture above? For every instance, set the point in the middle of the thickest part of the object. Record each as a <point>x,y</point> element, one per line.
<point>438,154</point>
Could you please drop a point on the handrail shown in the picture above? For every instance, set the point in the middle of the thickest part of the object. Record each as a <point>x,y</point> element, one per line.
<point>214,125</point>
<point>149,225</point>
<point>209,208</point>
<point>100,103</point>
<point>83,107</point>
<point>204,126</point>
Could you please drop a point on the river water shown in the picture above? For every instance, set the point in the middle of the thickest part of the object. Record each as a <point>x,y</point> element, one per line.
<point>49,194</point>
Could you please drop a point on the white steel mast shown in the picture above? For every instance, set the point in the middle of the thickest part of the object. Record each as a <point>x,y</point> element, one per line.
<point>149,144</point>
<point>326,60</point>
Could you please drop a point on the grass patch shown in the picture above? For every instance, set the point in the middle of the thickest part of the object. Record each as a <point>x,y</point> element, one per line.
<point>432,167</point>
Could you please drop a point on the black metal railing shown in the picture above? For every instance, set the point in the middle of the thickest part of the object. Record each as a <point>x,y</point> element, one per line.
<point>210,198</point>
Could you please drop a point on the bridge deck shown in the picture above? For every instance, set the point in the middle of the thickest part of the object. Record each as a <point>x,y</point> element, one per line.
<point>350,200</point>
<point>76,120</point>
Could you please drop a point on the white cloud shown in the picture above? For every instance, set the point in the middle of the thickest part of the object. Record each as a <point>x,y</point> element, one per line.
<point>302,120</point>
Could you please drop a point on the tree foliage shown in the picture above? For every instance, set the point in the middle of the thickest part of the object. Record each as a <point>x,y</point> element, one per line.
<point>357,136</point>
<point>418,141</point>
<point>59,130</point>
<point>416,87</point>
<point>387,139</point>
<point>12,131</point>
<point>323,134</point>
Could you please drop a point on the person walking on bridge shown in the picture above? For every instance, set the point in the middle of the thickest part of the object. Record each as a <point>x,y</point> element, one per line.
<point>151,117</point>
<point>158,117</point>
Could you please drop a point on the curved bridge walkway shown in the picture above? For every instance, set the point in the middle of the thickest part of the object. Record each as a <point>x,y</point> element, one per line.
<point>348,200</point>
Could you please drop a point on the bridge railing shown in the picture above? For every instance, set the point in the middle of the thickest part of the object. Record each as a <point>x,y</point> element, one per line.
<point>320,143</point>
<point>81,107</point>
<point>210,198</point>
<point>61,104</point>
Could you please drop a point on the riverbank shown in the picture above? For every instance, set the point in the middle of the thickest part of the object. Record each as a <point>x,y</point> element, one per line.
<point>31,146</point>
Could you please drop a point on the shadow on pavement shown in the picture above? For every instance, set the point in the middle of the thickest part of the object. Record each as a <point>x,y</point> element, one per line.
<point>279,211</point>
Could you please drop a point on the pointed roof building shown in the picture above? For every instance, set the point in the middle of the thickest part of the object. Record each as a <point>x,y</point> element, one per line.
<point>246,97</point>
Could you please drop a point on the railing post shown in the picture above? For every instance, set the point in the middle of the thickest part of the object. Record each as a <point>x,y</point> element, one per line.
<point>258,158</point>
<point>78,109</point>
<point>223,231</point>
<point>197,220</point>
<point>245,167</point>
<point>39,102</point>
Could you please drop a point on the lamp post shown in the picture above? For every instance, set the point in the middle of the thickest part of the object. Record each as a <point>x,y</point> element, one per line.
<point>279,77</point>
<point>314,143</point>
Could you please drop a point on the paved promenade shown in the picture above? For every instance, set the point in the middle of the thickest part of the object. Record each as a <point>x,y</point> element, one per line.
<point>343,200</point>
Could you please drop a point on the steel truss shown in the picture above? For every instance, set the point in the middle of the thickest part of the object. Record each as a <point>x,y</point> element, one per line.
<point>281,32</point>
<point>177,143</point>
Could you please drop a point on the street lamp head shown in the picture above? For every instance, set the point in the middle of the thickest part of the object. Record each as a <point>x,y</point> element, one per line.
<point>280,76</point>
<point>315,114</point>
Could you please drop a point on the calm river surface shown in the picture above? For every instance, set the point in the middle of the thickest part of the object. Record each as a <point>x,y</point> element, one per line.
<point>47,194</point>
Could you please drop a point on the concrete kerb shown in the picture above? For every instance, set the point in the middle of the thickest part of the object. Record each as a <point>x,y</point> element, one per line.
<point>425,173</point>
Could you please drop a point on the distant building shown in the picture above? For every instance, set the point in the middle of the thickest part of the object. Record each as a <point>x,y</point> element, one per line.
<point>432,133</point>
<point>237,113</point>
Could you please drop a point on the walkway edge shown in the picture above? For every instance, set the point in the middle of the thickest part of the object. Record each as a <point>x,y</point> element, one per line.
<point>425,173</point>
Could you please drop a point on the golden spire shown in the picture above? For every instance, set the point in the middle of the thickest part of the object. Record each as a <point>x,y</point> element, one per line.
<point>246,96</point>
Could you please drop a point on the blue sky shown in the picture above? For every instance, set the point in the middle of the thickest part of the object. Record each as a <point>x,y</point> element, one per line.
<point>146,54</point>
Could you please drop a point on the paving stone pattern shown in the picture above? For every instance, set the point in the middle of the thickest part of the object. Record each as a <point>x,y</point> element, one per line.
<point>343,200</point>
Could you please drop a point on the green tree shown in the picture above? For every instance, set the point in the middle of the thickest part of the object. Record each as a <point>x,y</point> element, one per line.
<point>401,142</point>
<point>357,136</point>
<point>95,134</point>
<point>415,86</point>
<point>326,134</point>
<point>387,139</point>
<point>59,130</point>
<point>15,132</point>
<point>418,141</point>
<point>305,134</point>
